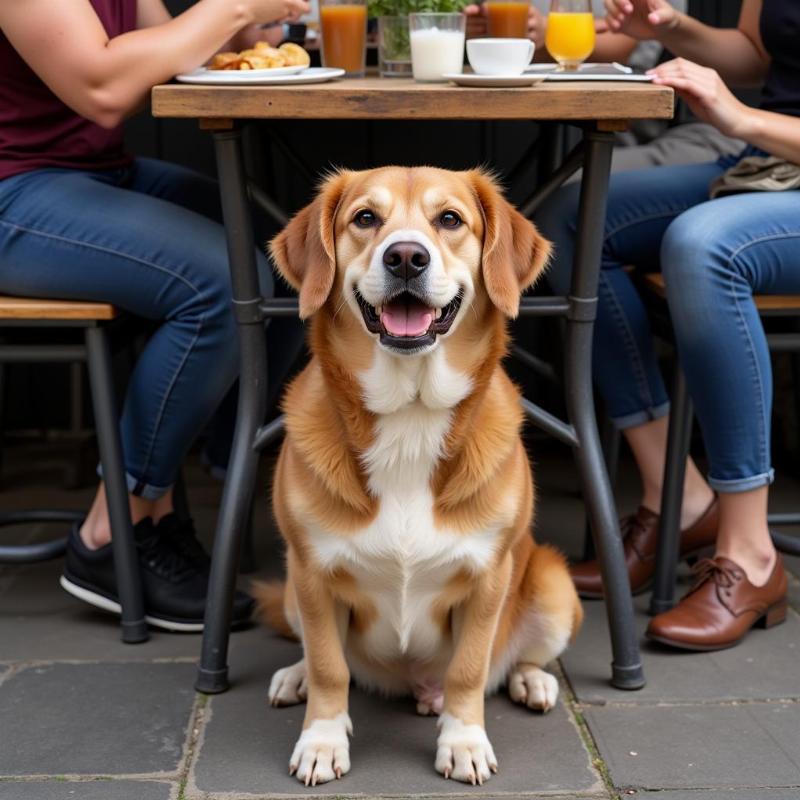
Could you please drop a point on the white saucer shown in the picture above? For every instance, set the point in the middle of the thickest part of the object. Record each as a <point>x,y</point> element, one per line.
<point>260,77</point>
<point>499,81</point>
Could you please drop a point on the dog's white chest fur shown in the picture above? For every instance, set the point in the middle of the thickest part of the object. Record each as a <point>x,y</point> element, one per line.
<point>402,560</point>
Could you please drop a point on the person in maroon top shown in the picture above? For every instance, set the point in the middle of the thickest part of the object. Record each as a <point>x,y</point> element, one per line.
<point>82,219</point>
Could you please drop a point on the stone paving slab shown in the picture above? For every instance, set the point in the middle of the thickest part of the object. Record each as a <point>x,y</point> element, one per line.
<point>39,621</point>
<point>246,744</point>
<point>696,746</point>
<point>95,719</point>
<point>766,665</point>
<point>86,790</point>
<point>721,794</point>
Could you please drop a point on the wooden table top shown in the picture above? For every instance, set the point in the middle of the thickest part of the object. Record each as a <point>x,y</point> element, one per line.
<point>402,98</point>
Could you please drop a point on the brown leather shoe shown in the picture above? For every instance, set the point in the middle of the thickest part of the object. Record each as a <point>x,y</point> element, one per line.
<point>640,534</point>
<point>721,607</point>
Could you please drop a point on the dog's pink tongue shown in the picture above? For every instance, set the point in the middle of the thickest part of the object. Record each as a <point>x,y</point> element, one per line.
<point>402,319</point>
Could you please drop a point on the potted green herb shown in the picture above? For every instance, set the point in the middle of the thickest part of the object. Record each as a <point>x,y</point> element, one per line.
<point>394,44</point>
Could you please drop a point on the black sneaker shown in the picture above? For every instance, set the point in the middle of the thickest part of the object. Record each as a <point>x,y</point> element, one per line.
<point>174,585</point>
<point>182,536</point>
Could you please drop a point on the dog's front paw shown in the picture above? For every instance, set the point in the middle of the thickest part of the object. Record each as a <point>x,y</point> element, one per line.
<point>464,752</point>
<point>288,685</point>
<point>322,752</point>
<point>533,687</point>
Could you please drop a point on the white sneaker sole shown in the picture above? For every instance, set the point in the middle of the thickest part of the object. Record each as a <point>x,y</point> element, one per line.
<point>112,606</point>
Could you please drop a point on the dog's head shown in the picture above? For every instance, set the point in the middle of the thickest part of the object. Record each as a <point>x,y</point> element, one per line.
<point>408,251</point>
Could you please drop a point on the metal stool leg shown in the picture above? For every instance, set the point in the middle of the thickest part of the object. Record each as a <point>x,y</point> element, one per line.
<point>669,527</point>
<point>212,674</point>
<point>610,439</point>
<point>126,562</point>
<point>626,665</point>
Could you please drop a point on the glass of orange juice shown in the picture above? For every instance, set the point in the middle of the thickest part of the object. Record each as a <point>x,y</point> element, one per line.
<point>570,32</point>
<point>344,35</point>
<point>507,18</point>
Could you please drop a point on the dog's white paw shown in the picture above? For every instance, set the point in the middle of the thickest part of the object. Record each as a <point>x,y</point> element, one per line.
<point>288,685</point>
<point>322,752</point>
<point>533,687</point>
<point>464,752</point>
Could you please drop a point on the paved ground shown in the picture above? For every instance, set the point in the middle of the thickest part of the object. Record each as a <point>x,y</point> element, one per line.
<point>83,716</point>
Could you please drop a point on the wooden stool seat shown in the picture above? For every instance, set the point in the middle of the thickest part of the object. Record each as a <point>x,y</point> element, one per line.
<point>765,303</point>
<point>34,308</point>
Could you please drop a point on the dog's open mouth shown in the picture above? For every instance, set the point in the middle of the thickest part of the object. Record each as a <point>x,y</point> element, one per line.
<point>406,322</point>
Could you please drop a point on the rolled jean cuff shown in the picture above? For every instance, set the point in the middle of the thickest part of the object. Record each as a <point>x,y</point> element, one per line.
<point>742,484</point>
<point>640,417</point>
<point>147,491</point>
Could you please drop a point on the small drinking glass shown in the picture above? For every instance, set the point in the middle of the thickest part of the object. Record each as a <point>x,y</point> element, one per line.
<point>570,33</point>
<point>437,45</point>
<point>344,35</point>
<point>507,19</point>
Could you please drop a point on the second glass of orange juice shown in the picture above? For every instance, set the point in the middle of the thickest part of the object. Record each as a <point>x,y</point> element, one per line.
<point>570,32</point>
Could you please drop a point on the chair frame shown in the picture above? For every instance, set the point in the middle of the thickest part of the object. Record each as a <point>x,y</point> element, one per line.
<point>679,436</point>
<point>95,320</point>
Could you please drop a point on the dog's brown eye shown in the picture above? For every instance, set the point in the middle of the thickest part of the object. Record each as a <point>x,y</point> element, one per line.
<point>365,219</point>
<point>449,219</point>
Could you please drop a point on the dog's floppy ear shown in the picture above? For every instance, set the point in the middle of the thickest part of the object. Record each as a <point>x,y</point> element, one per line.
<point>514,252</point>
<point>305,250</point>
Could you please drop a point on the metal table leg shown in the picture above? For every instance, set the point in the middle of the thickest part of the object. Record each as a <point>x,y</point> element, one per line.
<point>626,665</point>
<point>126,560</point>
<point>669,526</point>
<point>212,674</point>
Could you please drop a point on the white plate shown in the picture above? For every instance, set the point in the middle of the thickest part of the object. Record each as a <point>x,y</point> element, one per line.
<point>261,77</point>
<point>588,72</point>
<point>498,81</point>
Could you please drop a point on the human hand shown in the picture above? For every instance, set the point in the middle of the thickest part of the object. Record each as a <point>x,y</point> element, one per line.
<point>706,95</point>
<point>278,10</point>
<point>476,20</point>
<point>641,19</point>
<point>537,27</point>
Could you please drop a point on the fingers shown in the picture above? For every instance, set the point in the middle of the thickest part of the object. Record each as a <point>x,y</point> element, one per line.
<point>296,8</point>
<point>617,12</point>
<point>472,10</point>
<point>686,76</point>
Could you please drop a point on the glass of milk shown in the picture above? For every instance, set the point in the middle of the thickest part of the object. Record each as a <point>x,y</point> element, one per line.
<point>437,45</point>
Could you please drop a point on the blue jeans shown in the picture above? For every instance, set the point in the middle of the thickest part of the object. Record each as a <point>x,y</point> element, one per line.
<point>149,240</point>
<point>714,254</point>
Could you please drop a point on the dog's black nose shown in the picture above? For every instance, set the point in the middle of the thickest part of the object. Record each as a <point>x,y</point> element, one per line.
<point>406,260</point>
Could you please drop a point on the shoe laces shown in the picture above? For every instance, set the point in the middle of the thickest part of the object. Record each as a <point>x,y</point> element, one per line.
<point>184,539</point>
<point>164,559</point>
<point>710,569</point>
<point>633,530</point>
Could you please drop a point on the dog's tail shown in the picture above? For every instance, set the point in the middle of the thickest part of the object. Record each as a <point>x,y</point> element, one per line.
<point>270,608</point>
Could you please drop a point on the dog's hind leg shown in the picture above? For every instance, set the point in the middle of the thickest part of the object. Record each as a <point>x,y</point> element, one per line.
<point>289,685</point>
<point>545,628</point>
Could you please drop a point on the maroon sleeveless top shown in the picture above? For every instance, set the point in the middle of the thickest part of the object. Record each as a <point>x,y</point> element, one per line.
<point>39,130</point>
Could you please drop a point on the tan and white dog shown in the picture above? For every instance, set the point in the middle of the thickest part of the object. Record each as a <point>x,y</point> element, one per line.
<point>403,489</point>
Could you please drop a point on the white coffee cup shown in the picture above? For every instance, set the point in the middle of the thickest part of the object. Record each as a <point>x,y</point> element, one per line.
<point>499,56</point>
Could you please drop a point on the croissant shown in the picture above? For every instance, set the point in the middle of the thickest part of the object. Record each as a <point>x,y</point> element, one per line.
<point>223,61</point>
<point>295,55</point>
<point>262,56</point>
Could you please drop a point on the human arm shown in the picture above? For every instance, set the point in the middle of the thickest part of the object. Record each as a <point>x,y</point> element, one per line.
<point>106,79</point>
<point>711,101</point>
<point>737,54</point>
